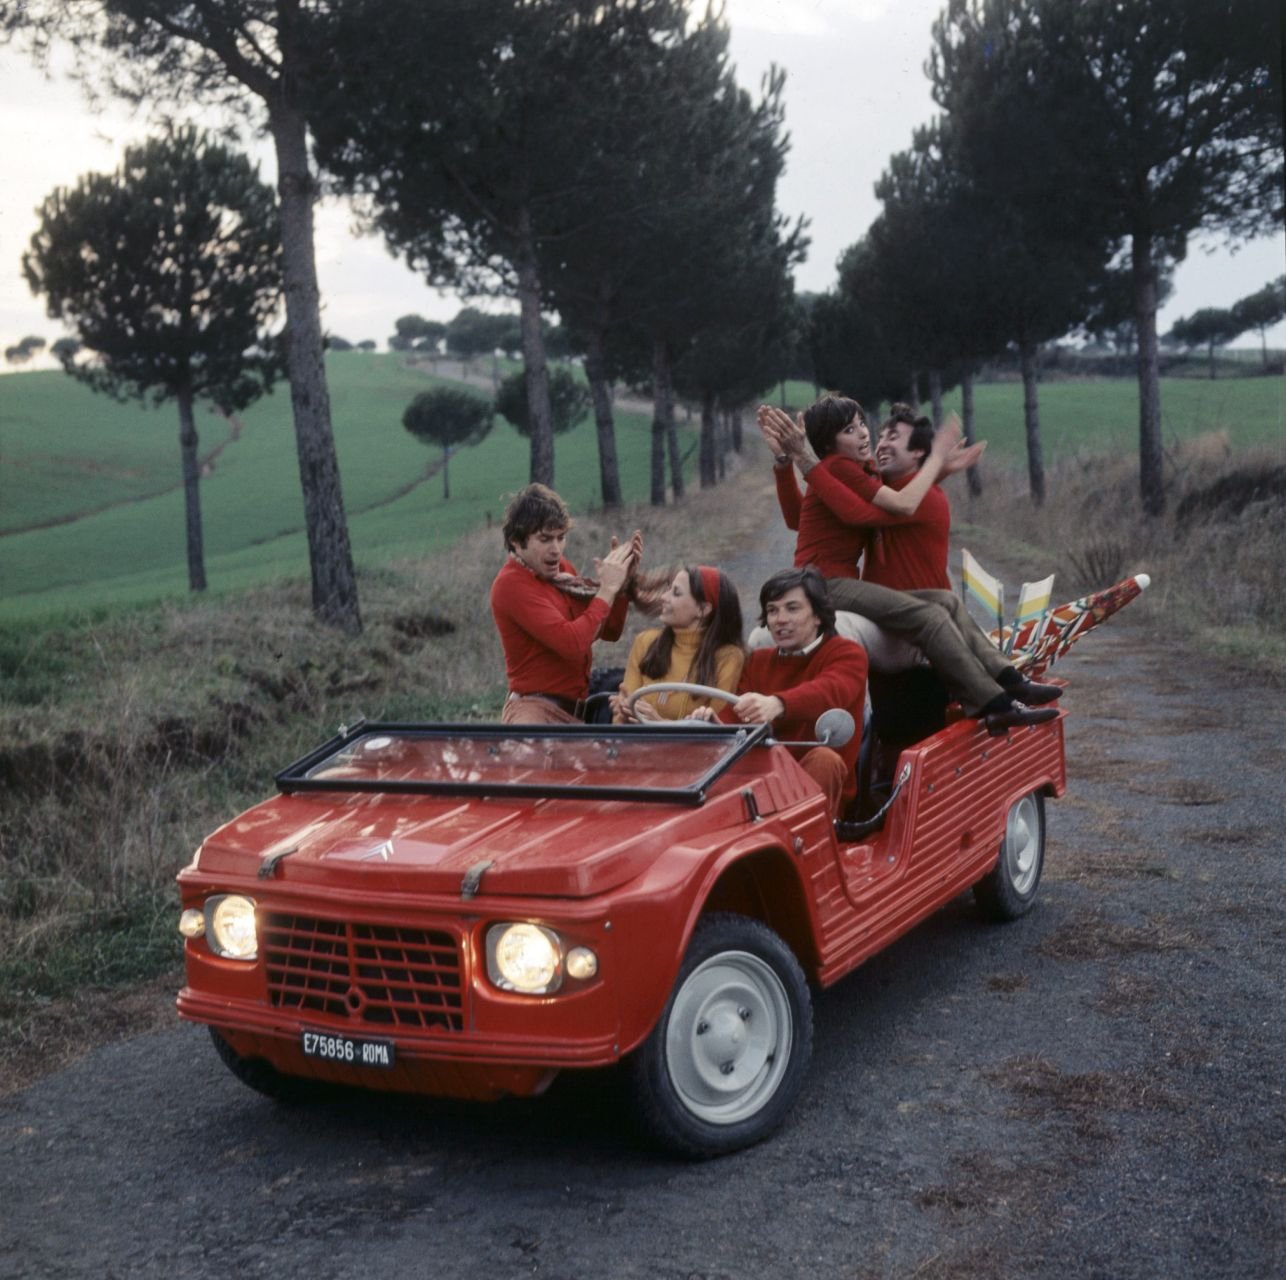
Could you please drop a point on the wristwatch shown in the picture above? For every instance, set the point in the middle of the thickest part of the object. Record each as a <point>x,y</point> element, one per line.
<point>780,459</point>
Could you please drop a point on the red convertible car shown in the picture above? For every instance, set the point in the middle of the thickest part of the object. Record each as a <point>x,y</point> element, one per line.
<point>468,909</point>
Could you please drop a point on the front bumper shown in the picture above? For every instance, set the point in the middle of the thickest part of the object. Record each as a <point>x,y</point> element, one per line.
<point>416,978</point>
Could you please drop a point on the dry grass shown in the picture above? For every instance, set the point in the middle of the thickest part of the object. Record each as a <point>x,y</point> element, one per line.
<point>1091,935</point>
<point>1110,868</point>
<point>1007,982</point>
<point>1126,994</point>
<point>1214,558</point>
<point>1043,1086</point>
<point>57,1032</point>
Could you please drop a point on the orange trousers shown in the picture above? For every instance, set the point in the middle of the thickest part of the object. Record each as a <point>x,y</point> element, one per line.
<point>828,770</point>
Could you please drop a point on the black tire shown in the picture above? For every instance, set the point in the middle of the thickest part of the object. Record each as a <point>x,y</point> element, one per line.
<point>261,1076</point>
<point>1009,889</point>
<point>703,1097</point>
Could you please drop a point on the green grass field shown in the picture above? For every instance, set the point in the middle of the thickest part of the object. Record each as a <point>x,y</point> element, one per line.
<point>64,450</point>
<point>109,473</point>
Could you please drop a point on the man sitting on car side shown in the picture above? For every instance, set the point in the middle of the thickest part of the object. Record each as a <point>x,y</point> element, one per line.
<point>547,617</point>
<point>808,669</point>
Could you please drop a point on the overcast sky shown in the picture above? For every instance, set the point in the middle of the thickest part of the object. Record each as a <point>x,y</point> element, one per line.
<point>855,90</point>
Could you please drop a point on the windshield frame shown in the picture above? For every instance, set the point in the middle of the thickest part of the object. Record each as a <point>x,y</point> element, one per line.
<point>738,738</point>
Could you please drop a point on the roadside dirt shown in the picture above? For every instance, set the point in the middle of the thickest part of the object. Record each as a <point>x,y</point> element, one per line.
<point>1093,1091</point>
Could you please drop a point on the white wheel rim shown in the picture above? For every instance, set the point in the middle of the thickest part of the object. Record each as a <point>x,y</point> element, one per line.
<point>1022,845</point>
<point>728,1042</point>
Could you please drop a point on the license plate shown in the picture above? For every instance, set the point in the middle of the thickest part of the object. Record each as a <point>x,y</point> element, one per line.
<point>346,1051</point>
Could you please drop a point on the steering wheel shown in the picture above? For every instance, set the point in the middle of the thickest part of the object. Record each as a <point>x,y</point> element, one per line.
<point>678,686</point>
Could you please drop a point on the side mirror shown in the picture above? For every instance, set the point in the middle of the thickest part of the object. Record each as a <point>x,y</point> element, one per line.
<point>835,728</point>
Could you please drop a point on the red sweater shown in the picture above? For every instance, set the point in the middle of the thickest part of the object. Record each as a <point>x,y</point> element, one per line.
<point>833,675</point>
<point>548,635</point>
<point>831,544</point>
<point>906,553</point>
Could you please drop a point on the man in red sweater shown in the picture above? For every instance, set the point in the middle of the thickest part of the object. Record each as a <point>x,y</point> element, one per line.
<point>904,587</point>
<point>546,631</point>
<point>808,670</point>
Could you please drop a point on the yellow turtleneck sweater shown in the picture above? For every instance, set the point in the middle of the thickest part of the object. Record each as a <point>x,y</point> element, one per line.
<point>674,706</point>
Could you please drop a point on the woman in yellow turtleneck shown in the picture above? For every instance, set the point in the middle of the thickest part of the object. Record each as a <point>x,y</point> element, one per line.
<point>698,643</point>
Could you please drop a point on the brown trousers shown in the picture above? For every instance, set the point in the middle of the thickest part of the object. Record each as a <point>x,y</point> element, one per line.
<point>936,622</point>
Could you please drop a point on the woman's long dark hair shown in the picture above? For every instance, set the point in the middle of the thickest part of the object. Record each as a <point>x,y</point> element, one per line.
<point>722,628</point>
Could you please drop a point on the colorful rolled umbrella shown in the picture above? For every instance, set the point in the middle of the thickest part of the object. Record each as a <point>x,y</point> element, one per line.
<point>1039,643</point>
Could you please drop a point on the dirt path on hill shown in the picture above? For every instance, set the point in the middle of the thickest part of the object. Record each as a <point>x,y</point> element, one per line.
<point>1093,1091</point>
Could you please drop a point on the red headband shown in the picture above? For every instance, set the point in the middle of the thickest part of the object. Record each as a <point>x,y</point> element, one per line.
<point>709,584</point>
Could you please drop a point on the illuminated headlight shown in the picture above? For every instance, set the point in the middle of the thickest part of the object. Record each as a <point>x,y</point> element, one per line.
<point>192,923</point>
<point>581,963</point>
<point>230,927</point>
<point>525,958</point>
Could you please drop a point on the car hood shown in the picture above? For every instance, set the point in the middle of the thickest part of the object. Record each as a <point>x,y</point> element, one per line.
<point>397,843</point>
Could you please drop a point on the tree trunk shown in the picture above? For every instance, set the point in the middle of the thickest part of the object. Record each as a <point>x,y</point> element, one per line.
<point>662,418</point>
<point>708,460</point>
<point>191,491</point>
<point>935,396</point>
<point>609,470</point>
<point>738,437</point>
<point>672,448</point>
<point>974,474</point>
<point>446,476</point>
<point>1151,477</point>
<point>535,371</point>
<point>329,553</point>
<point>1031,419</point>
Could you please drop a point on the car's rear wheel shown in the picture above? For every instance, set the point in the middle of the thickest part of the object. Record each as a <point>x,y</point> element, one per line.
<point>259,1075</point>
<point>1009,889</point>
<point>729,1055</point>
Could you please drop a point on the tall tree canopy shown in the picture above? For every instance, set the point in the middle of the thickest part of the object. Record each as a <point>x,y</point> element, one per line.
<point>169,270</point>
<point>232,52</point>
<point>462,122</point>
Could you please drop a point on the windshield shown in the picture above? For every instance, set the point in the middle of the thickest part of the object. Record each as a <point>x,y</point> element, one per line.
<point>671,763</point>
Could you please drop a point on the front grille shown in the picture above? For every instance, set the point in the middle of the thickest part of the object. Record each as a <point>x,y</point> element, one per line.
<point>385,975</point>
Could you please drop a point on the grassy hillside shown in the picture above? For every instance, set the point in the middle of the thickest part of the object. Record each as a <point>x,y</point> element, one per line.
<point>109,473</point>
<point>129,547</point>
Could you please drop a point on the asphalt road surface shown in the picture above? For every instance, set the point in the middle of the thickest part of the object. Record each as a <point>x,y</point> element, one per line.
<point>1093,1091</point>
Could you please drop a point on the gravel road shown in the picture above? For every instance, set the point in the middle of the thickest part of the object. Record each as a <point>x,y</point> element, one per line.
<point>1094,1091</point>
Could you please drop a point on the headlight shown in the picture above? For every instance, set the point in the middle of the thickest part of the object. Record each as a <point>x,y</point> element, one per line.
<point>230,926</point>
<point>192,923</point>
<point>525,958</point>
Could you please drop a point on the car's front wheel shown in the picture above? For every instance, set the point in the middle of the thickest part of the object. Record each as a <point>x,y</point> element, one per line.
<point>1008,890</point>
<point>729,1055</point>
